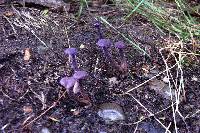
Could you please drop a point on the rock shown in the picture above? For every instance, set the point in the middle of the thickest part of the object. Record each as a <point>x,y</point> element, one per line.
<point>97,3</point>
<point>113,81</point>
<point>161,88</point>
<point>58,5</point>
<point>102,132</point>
<point>45,130</point>
<point>166,79</point>
<point>194,78</point>
<point>111,112</point>
<point>149,73</point>
<point>156,84</point>
<point>150,127</point>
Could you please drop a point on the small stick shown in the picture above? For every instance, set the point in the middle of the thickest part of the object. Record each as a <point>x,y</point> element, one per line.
<point>150,113</point>
<point>10,24</point>
<point>149,80</point>
<point>52,106</point>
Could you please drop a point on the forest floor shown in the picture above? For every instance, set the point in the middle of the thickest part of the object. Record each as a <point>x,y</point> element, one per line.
<point>32,61</point>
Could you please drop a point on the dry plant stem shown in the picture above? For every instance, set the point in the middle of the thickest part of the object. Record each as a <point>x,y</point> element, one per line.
<point>32,31</point>
<point>28,118</point>
<point>136,128</point>
<point>148,80</point>
<point>180,86</point>
<point>67,36</point>
<point>10,24</point>
<point>179,81</point>
<point>41,97</point>
<point>52,106</point>
<point>7,96</point>
<point>96,65</point>
<point>151,114</point>
<point>137,122</point>
<point>192,115</point>
<point>168,76</point>
<point>25,26</point>
<point>127,39</point>
<point>168,127</point>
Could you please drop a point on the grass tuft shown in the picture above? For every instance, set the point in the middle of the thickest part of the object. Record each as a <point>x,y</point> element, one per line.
<point>177,21</point>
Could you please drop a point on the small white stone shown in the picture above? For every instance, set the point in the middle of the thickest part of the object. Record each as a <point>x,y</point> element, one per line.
<point>166,79</point>
<point>45,130</point>
<point>194,78</point>
<point>113,80</point>
<point>111,112</point>
<point>82,46</point>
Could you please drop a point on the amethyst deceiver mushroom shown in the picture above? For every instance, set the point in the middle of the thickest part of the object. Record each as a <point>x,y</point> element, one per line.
<point>72,56</point>
<point>105,44</point>
<point>74,81</point>
<point>68,82</point>
<point>98,26</point>
<point>120,46</point>
<point>78,75</point>
<point>123,63</point>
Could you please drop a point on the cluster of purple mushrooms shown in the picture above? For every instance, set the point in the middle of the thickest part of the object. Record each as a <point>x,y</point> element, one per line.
<point>72,84</point>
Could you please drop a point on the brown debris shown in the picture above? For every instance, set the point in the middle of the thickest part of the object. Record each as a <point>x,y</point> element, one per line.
<point>8,13</point>
<point>27,54</point>
<point>27,109</point>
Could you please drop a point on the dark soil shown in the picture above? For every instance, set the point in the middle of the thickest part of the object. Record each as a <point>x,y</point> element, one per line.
<point>28,89</point>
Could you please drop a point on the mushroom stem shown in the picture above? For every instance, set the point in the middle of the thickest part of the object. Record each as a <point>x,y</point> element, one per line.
<point>109,57</point>
<point>123,67</point>
<point>100,34</point>
<point>123,62</point>
<point>121,54</point>
<point>98,26</point>
<point>106,53</point>
<point>72,57</point>
<point>76,88</point>
<point>73,62</point>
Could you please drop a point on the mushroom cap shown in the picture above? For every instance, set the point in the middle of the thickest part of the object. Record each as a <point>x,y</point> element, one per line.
<point>71,51</point>
<point>67,82</point>
<point>80,74</point>
<point>104,43</point>
<point>120,45</point>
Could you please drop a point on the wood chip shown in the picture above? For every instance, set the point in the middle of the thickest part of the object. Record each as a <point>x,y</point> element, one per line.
<point>8,13</point>
<point>27,54</point>
<point>27,109</point>
<point>54,119</point>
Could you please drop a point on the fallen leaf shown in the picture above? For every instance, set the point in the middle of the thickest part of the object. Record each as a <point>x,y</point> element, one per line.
<point>84,98</point>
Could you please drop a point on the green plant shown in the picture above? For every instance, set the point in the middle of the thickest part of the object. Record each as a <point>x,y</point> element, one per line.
<point>83,3</point>
<point>177,21</point>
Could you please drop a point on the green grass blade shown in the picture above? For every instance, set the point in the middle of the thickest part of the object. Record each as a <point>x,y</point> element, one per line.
<point>125,37</point>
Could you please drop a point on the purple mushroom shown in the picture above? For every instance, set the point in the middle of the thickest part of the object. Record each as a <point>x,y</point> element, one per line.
<point>72,56</point>
<point>123,65</point>
<point>68,82</point>
<point>120,46</point>
<point>98,26</point>
<point>78,75</point>
<point>105,44</point>
<point>74,81</point>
